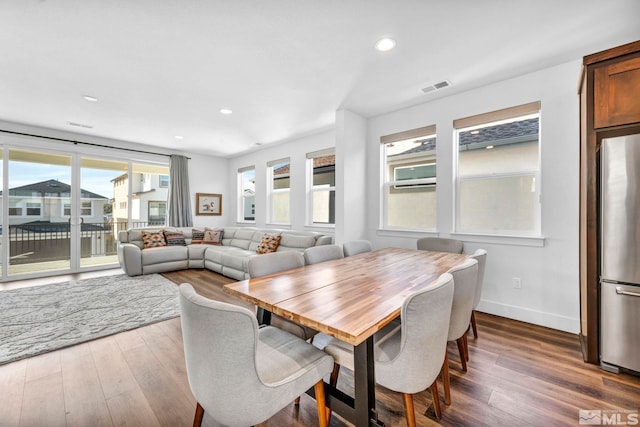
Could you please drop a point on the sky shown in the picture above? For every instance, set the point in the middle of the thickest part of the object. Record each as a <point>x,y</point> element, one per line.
<point>95,180</point>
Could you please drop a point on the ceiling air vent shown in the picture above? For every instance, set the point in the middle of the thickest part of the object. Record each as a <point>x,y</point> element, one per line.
<point>436,86</point>
<point>81,125</point>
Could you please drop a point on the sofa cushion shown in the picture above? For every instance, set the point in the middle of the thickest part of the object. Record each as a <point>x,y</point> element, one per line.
<point>237,259</point>
<point>213,236</point>
<point>153,238</point>
<point>268,244</point>
<point>297,241</point>
<point>197,235</point>
<point>174,238</point>
<point>242,238</point>
<point>164,254</point>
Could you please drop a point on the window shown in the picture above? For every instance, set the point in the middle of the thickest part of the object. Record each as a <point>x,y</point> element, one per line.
<point>321,171</point>
<point>409,191</point>
<point>34,209</point>
<point>246,194</point>
<point>498,172</point>
<point>163,181</point>
<point>85,209</point>
<point>279,191</point>
<point>157,212</point>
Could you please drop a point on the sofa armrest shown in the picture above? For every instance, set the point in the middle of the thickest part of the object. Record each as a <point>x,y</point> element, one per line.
<point>130,257</point>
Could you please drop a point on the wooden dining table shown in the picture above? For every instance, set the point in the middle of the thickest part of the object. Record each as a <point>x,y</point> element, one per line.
<point>350,299</point>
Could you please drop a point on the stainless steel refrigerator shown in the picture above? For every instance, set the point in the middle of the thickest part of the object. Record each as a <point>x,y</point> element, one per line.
<point>620,254</point>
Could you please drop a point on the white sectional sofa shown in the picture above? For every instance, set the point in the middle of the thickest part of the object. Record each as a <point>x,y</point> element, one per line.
<point>230,259</point>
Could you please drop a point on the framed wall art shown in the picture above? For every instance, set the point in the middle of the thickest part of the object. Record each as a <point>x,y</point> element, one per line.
<point>208,204</point>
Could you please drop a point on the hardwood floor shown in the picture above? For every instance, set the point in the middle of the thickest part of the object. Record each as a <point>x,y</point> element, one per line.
<point>519,375</point>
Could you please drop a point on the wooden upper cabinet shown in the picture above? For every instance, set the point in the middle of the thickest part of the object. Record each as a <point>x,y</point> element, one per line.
<point>617,93</point>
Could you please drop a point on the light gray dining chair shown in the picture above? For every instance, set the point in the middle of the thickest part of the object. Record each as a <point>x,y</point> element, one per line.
<point>242,374</point>
<point>481,256</point>
<point>408,355</point>
<point>440,244</point>
<point>276,262</point>
<point>356,247</point>
<point>322,253</point>
<point>465,280</point>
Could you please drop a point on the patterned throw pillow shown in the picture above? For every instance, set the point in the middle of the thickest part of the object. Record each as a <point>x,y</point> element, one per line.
<point>174,238</point>
<point>212,237</point>
<point>268,244</point>
<point>153,239</point>
<point>196,235</point>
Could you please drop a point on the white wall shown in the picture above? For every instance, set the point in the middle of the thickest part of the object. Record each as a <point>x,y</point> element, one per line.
<point>547,267</point>
<point>297,151</point>
<point>209,174</point>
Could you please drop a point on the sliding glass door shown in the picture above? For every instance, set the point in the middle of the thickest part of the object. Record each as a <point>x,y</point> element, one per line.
<point>60,212</point>
<point>98,230</point>
<point>39,234</point>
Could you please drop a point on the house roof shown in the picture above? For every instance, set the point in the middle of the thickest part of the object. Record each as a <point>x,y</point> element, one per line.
<point>492,135</point>
<point>51,187</point>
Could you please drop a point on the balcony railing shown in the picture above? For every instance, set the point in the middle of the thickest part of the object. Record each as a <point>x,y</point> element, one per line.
<point>46,241</point>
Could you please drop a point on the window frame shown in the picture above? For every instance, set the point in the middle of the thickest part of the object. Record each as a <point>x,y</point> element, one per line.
<point>241,196</point>
<point>485,120</point>
<point>388,183</point>
<point>272,191</point>
<point>312,189</point>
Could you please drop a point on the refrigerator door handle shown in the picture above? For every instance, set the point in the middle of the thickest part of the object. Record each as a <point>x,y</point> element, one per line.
<point>619,291</point>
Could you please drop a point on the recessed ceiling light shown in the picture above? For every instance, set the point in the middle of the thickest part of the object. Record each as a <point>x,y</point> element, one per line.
<point>90,98</point>
<point>225,111</point>
<point>489,147</point>
<point>179,137</point>
<point>385,44</point>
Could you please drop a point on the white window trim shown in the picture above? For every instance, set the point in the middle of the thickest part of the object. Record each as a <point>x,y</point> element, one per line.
<point>425,132</point>
<point>534,238</point>
<point>240,196</point>
<point>273,191</point>
<point>311,189</point>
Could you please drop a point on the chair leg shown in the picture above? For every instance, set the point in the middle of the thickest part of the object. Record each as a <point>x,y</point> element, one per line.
<point>297,401</point>
<point>436,399</point>
<point>197,420</point>
<point>463,359</point>
<point>446,381</point>
<point>409,412</point>
<point>333,378</point>
<point>466,347</point>
<point>473,324</point>
<point>322,405</point>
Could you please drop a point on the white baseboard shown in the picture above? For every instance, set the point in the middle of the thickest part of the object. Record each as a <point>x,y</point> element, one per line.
<point>541,318</point>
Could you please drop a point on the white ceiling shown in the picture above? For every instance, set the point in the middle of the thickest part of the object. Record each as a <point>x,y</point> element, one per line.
<point>162,68</point>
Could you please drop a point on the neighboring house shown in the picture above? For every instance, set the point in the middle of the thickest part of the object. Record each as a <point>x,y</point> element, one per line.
<point>39,221</point>
<point>498,147</point>
<point>249,208</point>
<point>49,202</point>
<point>149,195</point>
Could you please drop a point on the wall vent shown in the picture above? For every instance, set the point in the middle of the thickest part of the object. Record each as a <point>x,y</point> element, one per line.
<point>81,125</point>
<point>436,86</point>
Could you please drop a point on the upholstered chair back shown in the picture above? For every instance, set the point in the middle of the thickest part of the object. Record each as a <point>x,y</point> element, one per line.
<point>323,253</point>
<point>439,244</point>
<point>274,262</point>
<point>356,247</point>
<point>465,281</point>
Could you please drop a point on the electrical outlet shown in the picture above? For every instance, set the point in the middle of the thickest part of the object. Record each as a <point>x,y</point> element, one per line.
<point>517,283</point>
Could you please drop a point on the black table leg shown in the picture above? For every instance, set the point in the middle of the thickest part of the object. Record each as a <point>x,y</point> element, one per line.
<point>365,385</point>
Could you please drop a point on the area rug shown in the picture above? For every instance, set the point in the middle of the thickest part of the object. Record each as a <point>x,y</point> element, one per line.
<point>39,319</point>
